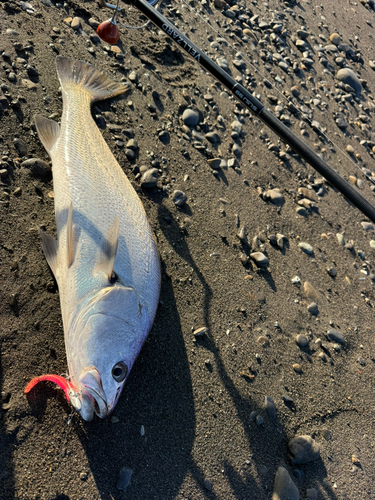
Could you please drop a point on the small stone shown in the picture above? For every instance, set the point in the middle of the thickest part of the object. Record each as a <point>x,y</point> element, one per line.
<point>311,494</point>
<point>200,332</point>
<point>372,243</point>
<point>302,340</point>
<point>132,144</point>
<point>270,407</point>
<point>304,449</point>
<point>263,340</point>
<point>213,137</point>
<point>190,117</point>
<point>150,178</point>
<point>336,336</point>
<point>349,149</point>
<point>124,478</point>
<point>214,163</point>
<point>284,488</point>
<point>348,77</point>
<point>331,271</point>
<point>93,23</point>
<point>83,476</point>
<point>340,239</point>
<point>179,198</point>
<point>39,167</point>
<point>114,420</point>
<point>21,147</point>
<point>275,196</point>
<point>207,484</point>
<point>335,39</point>
<point>367,226</point>
<point>259,420</point>
<point>11,32</point>
<point>297,368</point>
<point>313,308</point>
<point>76,23</point>
<point>306,247</point>
<point>259,258</point>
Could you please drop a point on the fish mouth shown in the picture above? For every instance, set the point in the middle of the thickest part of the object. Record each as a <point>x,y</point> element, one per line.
<point>93,396</point>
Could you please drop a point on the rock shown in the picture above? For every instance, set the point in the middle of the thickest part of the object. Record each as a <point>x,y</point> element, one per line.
<point>313,308</point>
<point>207,484</point>
<point>39,167</point>
<point>124,478</point>
<point>303,449</point>
<point>302,340</point>
<point>164,137</point>
<point>150,178</point>
<point>93,23</point>
<point>214,163</point>
<point>179,198</point>
<point>275,196</point>
<point>21,147</point>
<point>335,39</point>
<point>236,127</point>
<point>297,368</point>
<point>223,63</point>
<point>306,247</point>
<point>348,76</point>
<point>259,258</point>
<point>212,137</point>
<point>270,407</point>
<point>76,23</point>
<point>284,488</point>
<point>190,117</point>
<point>336,336</point>
<point>367,226</point>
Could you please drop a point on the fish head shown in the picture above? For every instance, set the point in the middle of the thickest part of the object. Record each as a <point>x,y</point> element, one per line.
<point>103,346</point>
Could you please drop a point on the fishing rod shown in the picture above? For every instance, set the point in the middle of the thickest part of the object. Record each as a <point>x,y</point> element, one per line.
<point>108,31</point>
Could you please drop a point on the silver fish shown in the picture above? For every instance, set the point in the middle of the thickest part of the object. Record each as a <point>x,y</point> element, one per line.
<point>104,259</point>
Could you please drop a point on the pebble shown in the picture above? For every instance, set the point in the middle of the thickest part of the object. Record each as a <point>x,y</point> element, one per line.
<point>275,196</point>
<point>207,484</point>
<point>223,63</point>
<point>306,247</point>
<point>335,39</point>
<point>302,340</point>
<point>336,336</point>
<point>39,167</point>
<point>214,163</point>
<point>150,178</point>
<point>11,32</point>
<point>340,239</point>
<point>259,258</point>
<point>297,368</point>
<point>83,476</point>
<point>349,149</point>
<point>309,290</point>
<point>367,226</point>
<point>21,147</point>
<point>270,407</point>
<point>284,487</point>
<point>133,77</point>
<point>341,123</point>
<point>179,198</point>
<point>76,23</point>
<point>212,137</point>
<point>372,243</point>
<point>311,494</point>
<point>124,478</point>
<point>190,117</point>
<point>164,137</point>
<point>200,332</point>
<point>348,76</point>
<point>259,420</point>
<point>313,308</point>
<point>332,272</point>
<point>304,449</point>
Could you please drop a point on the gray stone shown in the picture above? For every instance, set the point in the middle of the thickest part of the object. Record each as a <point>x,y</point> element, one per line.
<point>303,449</point>
<point>150,178</point>
<point>302,340</point>
<point>179,198</point>
<point>259,258</point>
<point>313,308</point>
<point>212,137</point>
<point>190,117</point>
<point>21,147</point>
<point>284,488</point>
<point>270,406</point>
<point>348,76</point>
<point>274,196</point>
<point>37,166</point>
<point>306,247</point>
<point>367,226</point>
<point>164,137</point>
<point>223,63</point>
<point>336,336</point>
<point>124,478</point>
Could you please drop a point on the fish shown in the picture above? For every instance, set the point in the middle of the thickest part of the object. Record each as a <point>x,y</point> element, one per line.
<point>104,259</point>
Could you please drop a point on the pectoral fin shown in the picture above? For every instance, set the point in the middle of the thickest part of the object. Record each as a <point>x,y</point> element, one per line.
<point>48,131</point>
<point>108,251</point>
<point>49,246</point>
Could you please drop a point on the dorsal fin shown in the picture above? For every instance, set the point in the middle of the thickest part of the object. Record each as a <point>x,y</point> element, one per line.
<point>49,246</point>
<point>69,235</point>
<point>48,131</point>
<point>108,250</point>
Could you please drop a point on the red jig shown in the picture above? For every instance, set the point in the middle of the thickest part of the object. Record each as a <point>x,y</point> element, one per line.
<point>108,31</point>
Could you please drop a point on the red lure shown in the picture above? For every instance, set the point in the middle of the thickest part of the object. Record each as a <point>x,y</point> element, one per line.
<point>60,381</point>
<point>108,31</point>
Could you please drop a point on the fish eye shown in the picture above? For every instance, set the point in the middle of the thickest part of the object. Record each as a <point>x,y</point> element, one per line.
<point>119,371</point>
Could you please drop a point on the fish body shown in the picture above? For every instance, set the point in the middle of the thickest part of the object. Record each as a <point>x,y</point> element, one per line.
<point>104,259</point>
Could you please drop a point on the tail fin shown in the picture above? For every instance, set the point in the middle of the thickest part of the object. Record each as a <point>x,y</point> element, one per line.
<point>79,74</point>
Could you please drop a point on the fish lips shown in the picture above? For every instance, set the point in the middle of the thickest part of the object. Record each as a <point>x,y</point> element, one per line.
<point>93,397</point>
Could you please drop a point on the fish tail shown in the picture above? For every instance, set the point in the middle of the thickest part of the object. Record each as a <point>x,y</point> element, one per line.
<point>78,75</point>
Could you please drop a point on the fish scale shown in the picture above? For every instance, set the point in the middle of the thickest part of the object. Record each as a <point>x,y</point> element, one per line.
<point>105,259</point>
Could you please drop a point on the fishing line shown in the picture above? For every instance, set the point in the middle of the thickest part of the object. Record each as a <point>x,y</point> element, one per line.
<point>299,111</point>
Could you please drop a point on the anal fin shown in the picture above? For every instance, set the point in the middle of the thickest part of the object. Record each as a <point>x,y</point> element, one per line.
<point>50,247</point>
<point>108,251</point>
<point>48,131</point>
